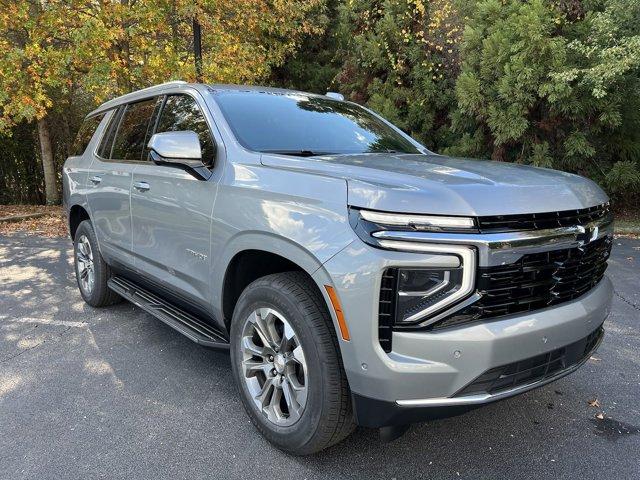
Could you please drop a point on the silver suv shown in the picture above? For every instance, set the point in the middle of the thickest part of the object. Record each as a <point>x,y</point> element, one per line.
<point>355,277</point>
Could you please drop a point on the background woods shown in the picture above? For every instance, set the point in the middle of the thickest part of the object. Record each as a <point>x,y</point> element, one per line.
<point>60,58</point>
<point>553,83</point>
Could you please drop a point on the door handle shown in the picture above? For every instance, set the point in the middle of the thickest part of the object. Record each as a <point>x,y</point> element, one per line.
<point>141,186</point>
<point>95,180</point>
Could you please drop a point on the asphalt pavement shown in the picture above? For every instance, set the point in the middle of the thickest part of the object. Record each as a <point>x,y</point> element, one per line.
<point>113,393</point>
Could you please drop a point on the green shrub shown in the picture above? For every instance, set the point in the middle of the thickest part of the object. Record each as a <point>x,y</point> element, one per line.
<point>548,83</point>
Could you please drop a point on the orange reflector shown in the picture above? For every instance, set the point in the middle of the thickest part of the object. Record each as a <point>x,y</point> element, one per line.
<point>344,331</point>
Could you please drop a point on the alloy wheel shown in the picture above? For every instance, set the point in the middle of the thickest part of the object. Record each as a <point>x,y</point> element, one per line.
<point>274,366</point>
<point>84,260</point>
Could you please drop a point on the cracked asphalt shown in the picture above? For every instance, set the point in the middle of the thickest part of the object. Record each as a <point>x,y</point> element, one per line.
<point>113,393</point>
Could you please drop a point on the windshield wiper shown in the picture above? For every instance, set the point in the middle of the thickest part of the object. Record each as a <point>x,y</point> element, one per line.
<point>298,153</point>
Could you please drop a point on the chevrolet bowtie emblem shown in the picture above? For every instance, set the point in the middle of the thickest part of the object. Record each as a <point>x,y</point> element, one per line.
<point>587,234</point>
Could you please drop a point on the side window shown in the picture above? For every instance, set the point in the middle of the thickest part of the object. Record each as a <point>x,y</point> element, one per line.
<point>131,134</point>
<point>104,150</point>
<point>181,112</point>
<point>85,134</point>
<point>152,126</point>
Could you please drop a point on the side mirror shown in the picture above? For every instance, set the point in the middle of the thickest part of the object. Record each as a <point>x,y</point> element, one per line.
<point>335,96</point>
<point>180,149</point>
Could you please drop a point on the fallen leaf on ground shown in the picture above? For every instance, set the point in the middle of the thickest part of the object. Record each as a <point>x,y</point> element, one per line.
<point>53,224</point>
<point>600,416</point>
<point>594,403</point>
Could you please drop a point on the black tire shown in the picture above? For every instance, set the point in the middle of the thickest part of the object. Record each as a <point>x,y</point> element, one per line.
<point>327,417</point>
<point>100,294</point>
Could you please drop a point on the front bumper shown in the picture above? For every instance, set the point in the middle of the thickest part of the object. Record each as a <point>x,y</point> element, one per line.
<point>420,377</point>
<point>379,413</point>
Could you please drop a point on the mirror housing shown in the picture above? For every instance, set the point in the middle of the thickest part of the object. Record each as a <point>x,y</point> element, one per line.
<point>335,96</point>
<point>180,149</point>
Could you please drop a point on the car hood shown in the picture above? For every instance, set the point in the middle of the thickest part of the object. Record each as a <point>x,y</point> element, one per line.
<point>437,184</point>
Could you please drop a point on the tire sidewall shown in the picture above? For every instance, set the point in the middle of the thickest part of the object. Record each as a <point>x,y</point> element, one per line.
<point>86,229</point>
<point>295,436</point>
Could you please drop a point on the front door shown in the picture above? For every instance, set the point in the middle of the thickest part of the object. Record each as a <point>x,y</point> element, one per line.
<point>171,211</point>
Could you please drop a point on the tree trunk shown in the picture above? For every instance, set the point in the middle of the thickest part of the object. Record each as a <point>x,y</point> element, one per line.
<point>197,48</point>
<point>48,165</point>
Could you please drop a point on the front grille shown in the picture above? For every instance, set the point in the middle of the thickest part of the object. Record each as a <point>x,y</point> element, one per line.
<point>534,369</point>
<point>536,281</point>
<point>538,221</point>
<point>386,307</point>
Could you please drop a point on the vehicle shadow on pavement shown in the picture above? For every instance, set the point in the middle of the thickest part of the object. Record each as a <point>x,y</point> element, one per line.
<point>113,392</point>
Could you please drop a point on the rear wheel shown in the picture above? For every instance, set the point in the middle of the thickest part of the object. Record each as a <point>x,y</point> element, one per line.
<point>287,365</point>
<point>92,273</point>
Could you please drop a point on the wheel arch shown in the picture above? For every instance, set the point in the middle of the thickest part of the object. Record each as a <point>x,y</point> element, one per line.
<point>252,256</point>
<point>77,214</point>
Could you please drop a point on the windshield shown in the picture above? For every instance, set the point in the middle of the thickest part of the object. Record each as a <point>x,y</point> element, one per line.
<point>300,124</point>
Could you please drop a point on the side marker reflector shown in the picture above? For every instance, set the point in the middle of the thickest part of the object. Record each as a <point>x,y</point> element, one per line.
<point>342,324</point>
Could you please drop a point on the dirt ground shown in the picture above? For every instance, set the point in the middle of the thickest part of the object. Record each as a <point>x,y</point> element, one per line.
<point>52,224</point>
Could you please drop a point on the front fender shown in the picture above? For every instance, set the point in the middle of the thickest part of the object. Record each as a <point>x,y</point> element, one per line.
<point>299,216</point>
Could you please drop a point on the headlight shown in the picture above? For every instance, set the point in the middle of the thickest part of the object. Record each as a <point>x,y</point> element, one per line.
<point>422,292</point>
<point>418,295</point>
<point>433,223</point>
<point>369,224</point>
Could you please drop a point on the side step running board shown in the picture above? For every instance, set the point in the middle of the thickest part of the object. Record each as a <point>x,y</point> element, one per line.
<point>189,325</point>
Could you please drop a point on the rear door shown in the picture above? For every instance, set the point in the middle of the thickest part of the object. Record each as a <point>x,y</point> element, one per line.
<point>109,181</point>
<point>171,210</point>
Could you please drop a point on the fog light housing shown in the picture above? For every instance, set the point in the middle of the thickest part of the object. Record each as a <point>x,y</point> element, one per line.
<point>421,292</point>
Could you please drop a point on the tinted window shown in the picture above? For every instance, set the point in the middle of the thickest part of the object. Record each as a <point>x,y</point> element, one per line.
<point>295,122</point>
<point>85,134</point>
<point>151,127</point>
<point>104,150</point>
<point>181,112</point>
<point>129,141</point>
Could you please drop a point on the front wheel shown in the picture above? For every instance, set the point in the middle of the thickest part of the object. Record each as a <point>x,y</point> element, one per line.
<point>92,272</point>
<point>287,365</point>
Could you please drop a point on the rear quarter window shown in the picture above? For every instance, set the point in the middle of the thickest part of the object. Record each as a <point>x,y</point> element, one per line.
<point>104,150</point>
<point>85,134</point>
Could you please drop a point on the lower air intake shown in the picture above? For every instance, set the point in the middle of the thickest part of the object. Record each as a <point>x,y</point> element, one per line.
<point>534,369</point>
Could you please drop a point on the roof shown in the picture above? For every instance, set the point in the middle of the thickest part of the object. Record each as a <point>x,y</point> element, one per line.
<point>214,88</point>
<point>253,88</point>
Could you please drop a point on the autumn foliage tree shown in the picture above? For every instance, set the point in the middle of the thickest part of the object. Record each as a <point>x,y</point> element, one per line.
<point>552,83</point>
<point>54,53</point>
<point>44,48</point>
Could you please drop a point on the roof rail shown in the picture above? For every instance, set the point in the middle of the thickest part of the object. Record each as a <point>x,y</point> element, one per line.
<point>172,82</point>
<point>123,98</point>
